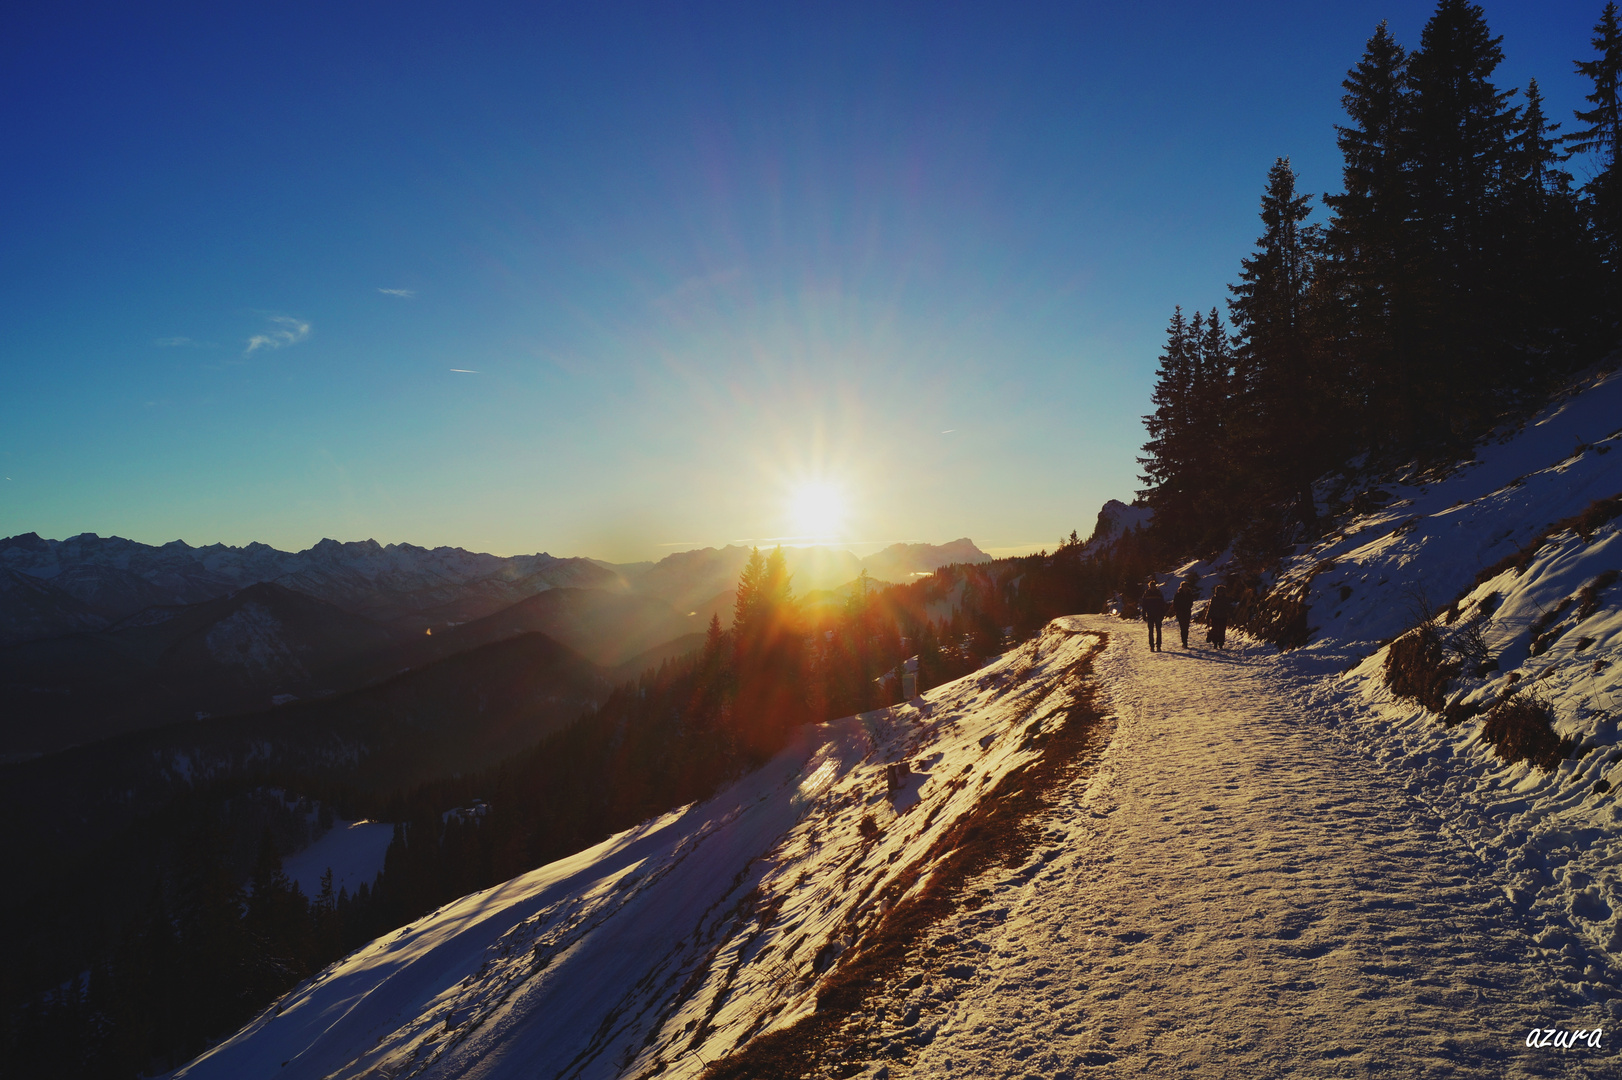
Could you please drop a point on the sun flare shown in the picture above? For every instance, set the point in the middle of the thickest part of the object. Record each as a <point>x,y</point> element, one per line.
<point>817,509</point>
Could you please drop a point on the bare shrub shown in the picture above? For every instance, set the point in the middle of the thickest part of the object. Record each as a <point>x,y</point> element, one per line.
<point>1544,630</point>
<point>1521,728</point>
<point>1469,644</point>
<point>1598,513</point>
<point>1457,712</point>
<point>1367,501</point>
<point>1588,596</point>
<point>1421,612</point>
<point>1277,615</point>
<point>1416,667</point>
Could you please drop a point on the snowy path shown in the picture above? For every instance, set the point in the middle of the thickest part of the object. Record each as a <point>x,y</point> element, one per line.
<point>1245,895</point>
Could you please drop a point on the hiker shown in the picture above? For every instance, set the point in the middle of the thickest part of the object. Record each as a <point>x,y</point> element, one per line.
<point>1182,603</point>
<point>1153,606</point>
<point>1217,615</point>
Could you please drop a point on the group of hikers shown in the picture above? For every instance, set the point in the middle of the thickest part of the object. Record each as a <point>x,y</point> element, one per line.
<point>1153,606</point>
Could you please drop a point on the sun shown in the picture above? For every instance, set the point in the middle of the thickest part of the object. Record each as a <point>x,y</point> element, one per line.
<point>817,509</point>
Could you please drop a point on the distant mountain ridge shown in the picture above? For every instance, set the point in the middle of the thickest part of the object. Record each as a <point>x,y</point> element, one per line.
<point>49,588</point>
<point>90,582</point>
<point>101,635</point>
<point>700,579</point>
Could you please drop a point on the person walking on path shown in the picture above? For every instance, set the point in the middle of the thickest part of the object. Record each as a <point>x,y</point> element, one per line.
<point>1182,603</point>
<point>1217,615</point>
<point>1153,606</point>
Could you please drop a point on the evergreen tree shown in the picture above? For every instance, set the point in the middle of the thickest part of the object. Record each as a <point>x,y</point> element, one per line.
<point>746,602</point>
<point>1370,273</point>
<point>1602,137</point>
<point>768,651</point>
<point>1461,129</point>
<point>1604,120</point>
<point>1168,456</point>
<point>1555,306</point>
<point>277,920</point>
<point>1461,126</point>
<point>1185,460</point>
<point>1536,176</point>
<point>709,711</point>
<point>1208,416</point>
<point>325,927</point>
<point>1279,443</point>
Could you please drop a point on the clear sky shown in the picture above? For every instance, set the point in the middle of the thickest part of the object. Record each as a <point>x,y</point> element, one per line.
<point>622,279</point>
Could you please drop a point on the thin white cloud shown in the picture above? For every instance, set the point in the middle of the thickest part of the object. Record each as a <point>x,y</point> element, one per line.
<point>285,330</point>
<point>404,294</point>
<point>465,371</point>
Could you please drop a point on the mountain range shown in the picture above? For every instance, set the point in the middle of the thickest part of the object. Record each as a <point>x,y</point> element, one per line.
<point>103,635</point>
<point>93,582</point>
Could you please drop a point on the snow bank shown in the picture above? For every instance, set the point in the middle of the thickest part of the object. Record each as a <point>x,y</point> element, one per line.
<point>667,945</point>
<point>1476,549</point>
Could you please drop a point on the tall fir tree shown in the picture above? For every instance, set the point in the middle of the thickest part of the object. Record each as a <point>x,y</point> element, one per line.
<point>768,655</point>
<point>1601,136</point>
<point>1370,268</point>
<point>1461,129</point>
<point>1278,428</point>
<point>1555,302</point>
<point>1209,418</point>
<point>1168,455</point>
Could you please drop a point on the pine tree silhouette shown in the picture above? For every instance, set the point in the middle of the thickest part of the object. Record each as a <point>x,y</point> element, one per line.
<point>1461,132</point>
<point>1371,255</point>
<point>1277,425</point>
<point>1602,137</point>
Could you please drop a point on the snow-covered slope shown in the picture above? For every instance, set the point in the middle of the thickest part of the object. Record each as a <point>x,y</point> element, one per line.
<point>1232,886</point>
<point>668,945</point>
<point>1476,549</point>
<point>352,850</point>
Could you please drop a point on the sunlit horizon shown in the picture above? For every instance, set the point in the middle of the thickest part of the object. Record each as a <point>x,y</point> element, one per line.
<point>546,279</point>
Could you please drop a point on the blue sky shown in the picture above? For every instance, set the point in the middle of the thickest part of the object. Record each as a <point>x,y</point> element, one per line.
<point>619,279</point>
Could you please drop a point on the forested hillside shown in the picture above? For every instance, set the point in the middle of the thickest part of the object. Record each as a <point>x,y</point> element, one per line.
<point>1459,275</point>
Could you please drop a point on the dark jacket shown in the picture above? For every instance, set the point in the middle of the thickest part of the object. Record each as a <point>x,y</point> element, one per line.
<point>1152,604</point>
<point>1183,601</point>
<point>1220,611</point>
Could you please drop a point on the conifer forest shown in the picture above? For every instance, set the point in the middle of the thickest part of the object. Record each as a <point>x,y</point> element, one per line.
<point>1460,272</point>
